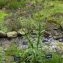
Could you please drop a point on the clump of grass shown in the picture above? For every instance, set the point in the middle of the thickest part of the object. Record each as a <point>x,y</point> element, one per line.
<point>12,23</point>
<point>3,3</point>
<point>2,55</point>
<point>2,17</point>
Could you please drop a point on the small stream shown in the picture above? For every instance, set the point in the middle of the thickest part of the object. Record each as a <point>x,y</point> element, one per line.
<point>22,42</point>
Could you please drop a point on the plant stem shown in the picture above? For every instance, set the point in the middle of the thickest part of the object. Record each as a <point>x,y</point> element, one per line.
<point>39,34</point>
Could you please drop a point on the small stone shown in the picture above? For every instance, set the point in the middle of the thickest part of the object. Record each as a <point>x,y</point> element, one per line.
<point>2,34</point>
<point>44,41</point>
<point>46,34</point>
<point>22,32</point>
<point>56,37</point>
<point>24,43</point>
<point>60,40</point>
<point>34,32</point>
<point>12,34</point>
<point>17,59</point>
<point>48,56</point>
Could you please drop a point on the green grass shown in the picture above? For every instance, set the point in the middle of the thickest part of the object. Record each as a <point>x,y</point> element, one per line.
<point>2,17</point>
<point>48,8</point>
<point>48,11</point>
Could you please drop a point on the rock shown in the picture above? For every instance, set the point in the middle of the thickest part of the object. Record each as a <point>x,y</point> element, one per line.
<point>12,34</point>
<point>61,39</point>
<point>2,34</point>
<point>47,34</point>
<point>48,56</point>
<point>34,32</point>
<point>57,37</point>
<point>45,40</point>
<point>22,32</point>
